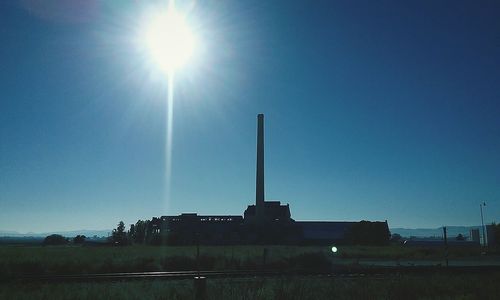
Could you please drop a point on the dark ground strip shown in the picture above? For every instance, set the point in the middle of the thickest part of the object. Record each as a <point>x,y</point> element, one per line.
<point>354,272</point>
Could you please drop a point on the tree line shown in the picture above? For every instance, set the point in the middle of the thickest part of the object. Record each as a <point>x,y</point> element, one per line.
<point>139,233</point>
<point>142,232</point>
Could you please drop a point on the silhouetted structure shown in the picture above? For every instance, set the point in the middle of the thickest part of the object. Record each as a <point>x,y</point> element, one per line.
<point>490,235</point>
<point>266,222</point>
<point>474,235</point>
<point>264,213</point>
<point>190,228</point>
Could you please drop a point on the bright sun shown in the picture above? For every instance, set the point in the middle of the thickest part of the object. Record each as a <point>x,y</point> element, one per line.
<point>170,40</point>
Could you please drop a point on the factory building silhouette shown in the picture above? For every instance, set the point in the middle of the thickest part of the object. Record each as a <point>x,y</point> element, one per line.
<point>266,222</point>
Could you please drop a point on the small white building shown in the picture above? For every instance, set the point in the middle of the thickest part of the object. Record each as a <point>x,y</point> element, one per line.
<point>474,235</point>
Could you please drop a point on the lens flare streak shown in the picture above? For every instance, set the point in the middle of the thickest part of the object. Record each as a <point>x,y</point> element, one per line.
<point>168,141</point>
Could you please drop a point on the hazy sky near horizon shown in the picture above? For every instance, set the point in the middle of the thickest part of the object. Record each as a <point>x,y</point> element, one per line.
<point>375,110</point>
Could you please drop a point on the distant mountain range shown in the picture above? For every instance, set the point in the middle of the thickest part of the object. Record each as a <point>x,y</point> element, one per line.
<point>87,233</point>
<point>452,231</point>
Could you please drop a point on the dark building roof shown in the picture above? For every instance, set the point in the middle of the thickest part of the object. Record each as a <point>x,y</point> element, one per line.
<point>314,230</point>
<point>194,217</point>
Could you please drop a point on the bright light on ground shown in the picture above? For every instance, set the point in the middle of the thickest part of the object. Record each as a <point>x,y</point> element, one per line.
<point>170,40</point>
<point>334,249</point>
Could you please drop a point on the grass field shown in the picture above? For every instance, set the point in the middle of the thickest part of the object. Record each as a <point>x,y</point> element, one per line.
<point>21,260</point>
<point>457,286</point>
<point>80,260</point>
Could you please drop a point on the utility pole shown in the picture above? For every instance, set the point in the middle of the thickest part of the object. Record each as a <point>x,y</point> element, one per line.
<point>445,245</point>
<point>200,282</point>
<point>482,223</point>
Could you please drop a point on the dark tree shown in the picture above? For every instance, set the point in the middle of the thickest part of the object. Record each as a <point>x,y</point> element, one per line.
<point>131,233</point>
<point>460,237</point>
<point>55,239</point>
<point>369,233</point>
<point>140,232</point>
<point>79,239</point>
<point>149,231</point>
<point>119,236</point>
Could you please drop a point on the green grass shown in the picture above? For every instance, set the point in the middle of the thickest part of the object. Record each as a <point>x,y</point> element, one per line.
<point>457,286</point>
<point>393,252</point>
<point>81,260</point>
<point>16,260</point>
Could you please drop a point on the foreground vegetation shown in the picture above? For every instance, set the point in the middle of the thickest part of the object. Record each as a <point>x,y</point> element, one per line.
<point>458,286</point>
<point>37,260</point>
<point>17,260</point>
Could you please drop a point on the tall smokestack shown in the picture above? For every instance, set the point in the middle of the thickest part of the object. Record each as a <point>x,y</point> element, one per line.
<point>259,199</point>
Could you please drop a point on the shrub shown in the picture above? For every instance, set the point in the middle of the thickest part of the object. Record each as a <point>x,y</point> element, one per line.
<point>310,262</point>
<point>79,239</point>
<point>55,239</point>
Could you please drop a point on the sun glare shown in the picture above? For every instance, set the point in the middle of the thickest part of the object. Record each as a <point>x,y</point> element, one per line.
<point>170,40</point>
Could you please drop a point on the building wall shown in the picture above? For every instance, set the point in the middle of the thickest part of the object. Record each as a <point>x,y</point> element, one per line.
<point>474,235</point>
<point>490,235</point>
<point>189,229</point>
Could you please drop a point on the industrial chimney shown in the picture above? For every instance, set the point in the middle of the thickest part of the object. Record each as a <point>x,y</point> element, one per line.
<point>259,195</point>
<point>264,213</point>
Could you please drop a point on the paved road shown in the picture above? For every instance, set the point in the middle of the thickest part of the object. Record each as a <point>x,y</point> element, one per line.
<point>489,261</point>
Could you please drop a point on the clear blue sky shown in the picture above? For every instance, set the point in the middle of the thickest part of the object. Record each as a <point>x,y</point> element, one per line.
<point>374,110</point>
